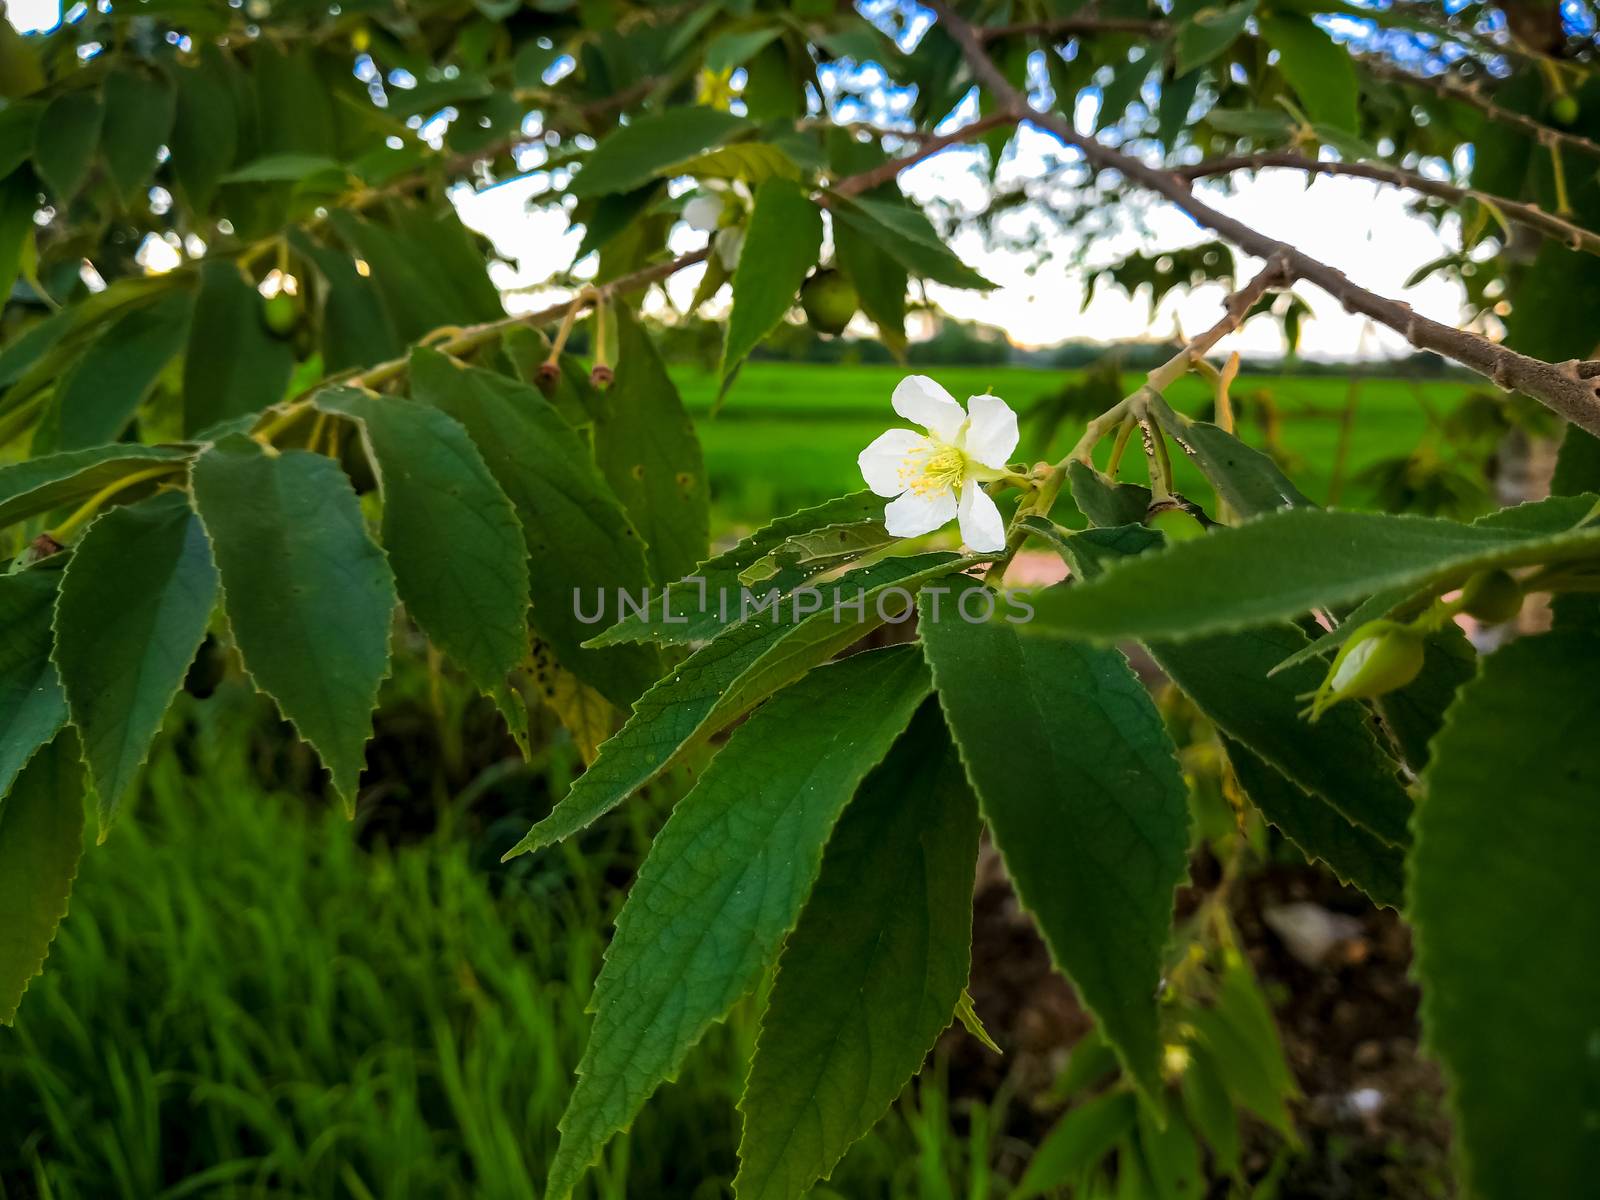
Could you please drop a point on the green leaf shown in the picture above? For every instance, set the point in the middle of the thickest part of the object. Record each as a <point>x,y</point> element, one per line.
<point>724,883</point>
<point>907,236</point>
<point>635,153</point>
<point>1358,857</point>
<point>1209,32</point>
<point>65,141</point>
<point>459,558</point>
<point>1247,479</point>
<point>41,841</point>
<point>1210,1109</point>
<point>133,609</point>
<point>579,541</point>
<point>426,268</point>
<point>19,201</point>
<point>1172,1157</point>
<point>1127,80</point>
<point>104,388</point>
<point>967,1014</point>
<point>1106,503</point>
<point>205,131</point>
<point>751,162</point>
<point>233,366</point>
<point>1238,682</point>
<point>38,485</point>
<point>19,123</point>
<point>1502,901</point>
<point>872,972</point>
<point>1095,833</point>
<point>309,597</point>
<point>781,245</point>
<point>293,106</point>
<point>1078,1142</point>
<point>356,329</point>
<point>720,682</point>
<point>283,168</point>
<point>1337,758</point>
<point>734,49</point>
<point>1290,562</point>
<point>1414,714</point>
<point>697,607</point>
<point>139,114</point>
<point>32,705</point>
<point>880,282</point>
<point>1242,1039</point>
<point>647,448</point>
<point>1320,70</point>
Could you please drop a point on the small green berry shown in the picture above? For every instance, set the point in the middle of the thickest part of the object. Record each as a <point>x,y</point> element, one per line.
<point>280,313</point>
<point>1494,597</point>
<point>1564,110</point>
<point>829,300</point>
<point>1176,523</point>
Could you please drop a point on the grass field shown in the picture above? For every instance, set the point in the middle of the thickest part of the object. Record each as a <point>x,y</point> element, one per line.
<point>788,433</point>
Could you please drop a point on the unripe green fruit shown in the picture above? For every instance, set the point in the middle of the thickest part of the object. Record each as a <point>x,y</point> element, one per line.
<point>1492,596</point>
<point>1176,523</point>
<point>280,314</point>
<point>1564,110</point>
<point>829,301</point>
<point>1380,657</point>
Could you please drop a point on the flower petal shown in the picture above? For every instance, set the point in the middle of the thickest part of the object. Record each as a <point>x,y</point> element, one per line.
<point>918,398</point>
<point>703,213</point>
<point>917,513</point>
<point>883,464</point>
<point>981,526</point>
<point>991,431</point>
<point>729,244</point>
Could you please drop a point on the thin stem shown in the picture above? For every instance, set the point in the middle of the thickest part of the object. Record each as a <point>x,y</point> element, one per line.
<point>63,532</point>
<point>1120,446</point>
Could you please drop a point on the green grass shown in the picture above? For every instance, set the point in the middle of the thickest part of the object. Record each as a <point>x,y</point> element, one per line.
<point>253,997</point>
<point>788,433</point>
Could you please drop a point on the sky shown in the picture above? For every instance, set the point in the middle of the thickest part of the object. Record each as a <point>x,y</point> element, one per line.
<point>1360,226</point>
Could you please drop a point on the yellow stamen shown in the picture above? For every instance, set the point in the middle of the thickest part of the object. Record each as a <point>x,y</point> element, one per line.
<point>936,467</point>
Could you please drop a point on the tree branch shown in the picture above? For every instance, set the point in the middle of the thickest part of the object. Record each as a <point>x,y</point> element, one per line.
<point>1574,237</point>
<point>1441,85</point>
<point>1472,96</point>
<point>1562,388</point>
<point>867,180</point>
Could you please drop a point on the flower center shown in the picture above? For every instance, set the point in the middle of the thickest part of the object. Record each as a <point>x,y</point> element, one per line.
<point>941,467</point>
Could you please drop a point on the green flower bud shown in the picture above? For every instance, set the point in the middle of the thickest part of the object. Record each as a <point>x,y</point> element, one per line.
<point>1492,596</point>
<point>829,301</point>
<point>1380,657</point>
<point>1564,110</point>
<point>1174,521</point>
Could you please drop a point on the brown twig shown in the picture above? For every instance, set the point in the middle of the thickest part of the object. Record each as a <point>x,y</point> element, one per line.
<point>1574,237</point>
<point>867,180</point>
<point>1472,95</point>
<point>1077,27</point>
<point>1561,387</point>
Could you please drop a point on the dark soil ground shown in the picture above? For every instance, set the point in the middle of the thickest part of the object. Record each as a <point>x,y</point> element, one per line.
<point>1371,1117</point>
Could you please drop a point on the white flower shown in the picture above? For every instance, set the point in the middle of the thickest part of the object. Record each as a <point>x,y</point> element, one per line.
<point>941,475</point>
<point>704,212</point>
